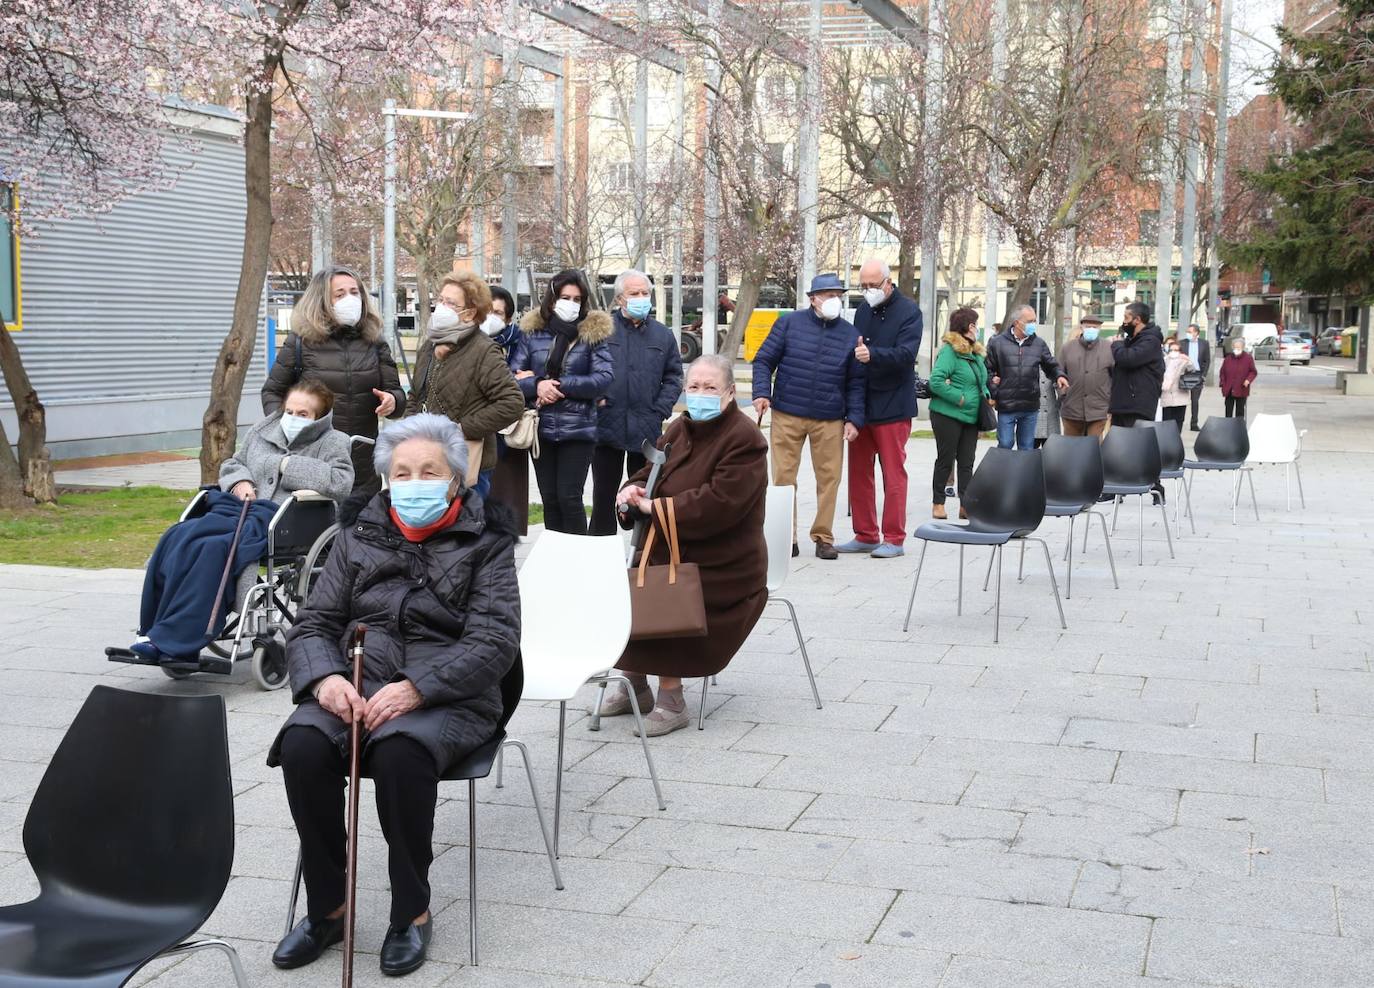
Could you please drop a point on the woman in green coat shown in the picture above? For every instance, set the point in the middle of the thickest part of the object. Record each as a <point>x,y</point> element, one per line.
<point>958,385</point>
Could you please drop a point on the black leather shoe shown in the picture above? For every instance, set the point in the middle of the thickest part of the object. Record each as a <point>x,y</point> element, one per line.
<point>795,551</point>
<point>404,949</point>
<point>824,550</point>
<point>304,944</point>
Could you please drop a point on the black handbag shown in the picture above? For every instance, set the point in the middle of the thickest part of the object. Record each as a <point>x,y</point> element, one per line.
<point>922,387</point>
<point>1190,380</point>
<point>987,417</point>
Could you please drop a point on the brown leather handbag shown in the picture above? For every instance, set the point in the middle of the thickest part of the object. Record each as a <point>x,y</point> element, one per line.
<point>665,601</point>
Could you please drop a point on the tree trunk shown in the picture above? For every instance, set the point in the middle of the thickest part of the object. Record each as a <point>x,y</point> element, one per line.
<point>35,463</point>
<point>219,427</point>
<point>751,280</point>
<point>11,480</point>
<point>422,292</point>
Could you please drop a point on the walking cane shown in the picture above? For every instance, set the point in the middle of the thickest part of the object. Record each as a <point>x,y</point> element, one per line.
<point>355,738</point>
<point>657,457</point>
<point>228,566</point>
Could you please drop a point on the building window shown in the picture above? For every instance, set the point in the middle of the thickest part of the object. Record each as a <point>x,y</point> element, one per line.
<point>877,235</point>
<point>621,176</point>
<point>1103,303</point>
<point>11,310</point>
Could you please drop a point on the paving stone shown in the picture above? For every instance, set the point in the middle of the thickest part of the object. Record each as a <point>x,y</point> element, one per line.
<point>735,768</point>
<point>775,809</point>
<point>1013,758</point>
<point>884,748</point>
<point>1135,843</point>
<point>983,972</point>
<point>731,957</point>
<point>801,712</point>
<point>891,819</point>
<point>1316,752</point>
<point>1238,955</point>
<point>1018,932</point>
<point>1218,775</point>
<point>1109,802</point>
<point>1159,738</point>
<point>868,965</point>
<point>1026,728</point>
<point>745,850</point>
<point>861,778</point>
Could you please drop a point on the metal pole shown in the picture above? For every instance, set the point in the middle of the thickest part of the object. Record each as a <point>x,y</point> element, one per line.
<point>641,149</point>
<point>1219,176</point>
<point>372,259</point>
<point>808,178</point>
<point>389,222</point>
<point>510,270</point>
<point>477,252</point>
<point>991,234</point>
<point>1168,153</point>
<point>560,170</point>
<point>710,234</point>
<point>930,215</point>
<point>681,137</point>
<point>1196,80</point>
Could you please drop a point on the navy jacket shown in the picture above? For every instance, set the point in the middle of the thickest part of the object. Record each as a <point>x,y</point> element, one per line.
<point>184,572</point>
<point>1019,366</point>
<point>1138,373</point>
<point>817,375</point>
<point>893,334</point>
<point>586,375</point>
<point>646,385</point>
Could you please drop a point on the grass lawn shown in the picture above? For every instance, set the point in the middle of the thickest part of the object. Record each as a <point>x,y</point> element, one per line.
<point>91,530</point>
<point>99,529</point>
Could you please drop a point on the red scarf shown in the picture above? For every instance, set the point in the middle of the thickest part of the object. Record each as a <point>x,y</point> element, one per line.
<point>413,534</point>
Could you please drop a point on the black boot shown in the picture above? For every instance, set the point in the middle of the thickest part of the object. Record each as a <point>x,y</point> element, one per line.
<point>304,944</point>
<point>404,948</point>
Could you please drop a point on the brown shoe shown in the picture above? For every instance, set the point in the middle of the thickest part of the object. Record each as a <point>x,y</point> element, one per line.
<point>824,550</point>
<point>963,514</point>
<point>938,511</point>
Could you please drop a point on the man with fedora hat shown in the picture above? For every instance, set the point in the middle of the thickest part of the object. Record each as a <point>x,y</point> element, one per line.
<point>1087,363</point>
<point>806,371</point>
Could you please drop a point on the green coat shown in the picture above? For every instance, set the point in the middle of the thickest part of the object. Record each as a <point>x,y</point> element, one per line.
<point>959,374</point>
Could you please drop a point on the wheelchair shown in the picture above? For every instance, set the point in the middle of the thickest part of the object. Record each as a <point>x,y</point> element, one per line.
<point>298,540</point>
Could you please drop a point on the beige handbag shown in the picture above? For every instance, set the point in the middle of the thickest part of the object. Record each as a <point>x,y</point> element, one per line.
<point>523,433</point>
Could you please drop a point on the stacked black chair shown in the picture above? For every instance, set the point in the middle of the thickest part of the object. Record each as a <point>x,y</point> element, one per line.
<point>131,837</point>
<point>1223,444</point>
<point>477,765</point>
<point>1131,465</point>
<point>1004,501</point>
<point>1073,483</point>
<point>1171,456</point>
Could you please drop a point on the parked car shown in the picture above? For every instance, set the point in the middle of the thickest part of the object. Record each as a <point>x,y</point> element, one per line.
<point>1253,333</point>
<point>1329,342</point>
<point>1289,348</point>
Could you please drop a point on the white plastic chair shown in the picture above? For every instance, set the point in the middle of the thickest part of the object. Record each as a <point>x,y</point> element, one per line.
<point>575,622</point>
<point>777,533</point>
<point>1275,439</point>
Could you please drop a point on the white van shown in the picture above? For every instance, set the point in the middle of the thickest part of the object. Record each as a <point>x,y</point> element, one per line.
<point>1253,332</point>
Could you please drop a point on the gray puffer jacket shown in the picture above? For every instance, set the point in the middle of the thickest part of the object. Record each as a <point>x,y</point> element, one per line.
<point>317,461</point>
<point>443,613</point>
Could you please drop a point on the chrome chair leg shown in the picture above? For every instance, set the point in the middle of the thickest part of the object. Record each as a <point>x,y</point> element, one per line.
<point>914,583</point>
<point>987,577</point>
<point>1116,510</point>
<point>1021,564</point>
<point>595,723</point>
<point>997,601</point>
<point>801,644</point>
<point>538,809</point>
<point>643,738</point>
<point>1235,497</point>
<point>1107,538</point>
<point>558,775</point>
<point>472,871</point>
<point>1297,469</point>
<point>1164,513</point>
<point>701,716</point>
<point>1068,554</point>
<point>500,767</point>
<point>959,597</point>
<point>1054,584</point>
<point>190,947</point>
<point>1250,479</point>
<point>1140,530</point>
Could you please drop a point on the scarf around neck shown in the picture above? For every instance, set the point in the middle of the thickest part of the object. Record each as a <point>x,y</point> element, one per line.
<point>452,335</point>
<point>564,336</point>
<point>414,534</point>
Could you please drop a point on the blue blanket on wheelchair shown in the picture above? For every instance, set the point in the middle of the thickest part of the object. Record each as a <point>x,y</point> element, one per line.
<point>185,570</point>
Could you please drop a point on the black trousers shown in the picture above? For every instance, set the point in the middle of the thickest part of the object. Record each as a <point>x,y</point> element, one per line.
<point>1235,407</point>
<point>1175,414</point>
<point>1196,395</point>
<point>1124,421</point>
<point>955,441</point>
<point>407,784</point>
<point>608,462</point>
<point>561,471</point>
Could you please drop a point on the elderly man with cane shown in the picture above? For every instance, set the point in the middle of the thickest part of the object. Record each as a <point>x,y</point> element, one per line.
<point>430,570</point>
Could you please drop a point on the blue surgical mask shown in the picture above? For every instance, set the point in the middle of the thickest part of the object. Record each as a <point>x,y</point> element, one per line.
<point>292,425</point>
<point>702,407</point>
<point>638,308</point>
<point>1090,335</point>
<point>419,502</point>
<point>1030,329</point>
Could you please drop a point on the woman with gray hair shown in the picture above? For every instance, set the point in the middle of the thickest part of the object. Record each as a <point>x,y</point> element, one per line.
<point>336,337</point>
<point>432,575</point>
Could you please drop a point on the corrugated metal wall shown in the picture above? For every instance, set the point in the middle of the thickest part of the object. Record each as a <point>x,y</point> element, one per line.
<point>124,313</point>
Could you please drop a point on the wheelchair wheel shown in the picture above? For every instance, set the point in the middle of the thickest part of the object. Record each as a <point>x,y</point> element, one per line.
<point>314,561</point>
<point>177,674</point>
<point>269,665</point>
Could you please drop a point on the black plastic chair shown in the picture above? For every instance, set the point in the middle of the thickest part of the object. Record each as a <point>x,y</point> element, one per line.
<point>1131,465</point>
<point>1171,456</point>
<point>1223,444</point>
<point>131,837</point>
<point>1073,483</point>
<point>1005,501</point>
<point>477,765</point>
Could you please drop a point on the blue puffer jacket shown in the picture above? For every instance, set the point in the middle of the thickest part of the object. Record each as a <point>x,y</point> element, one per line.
<point>893,334</point>
<point>646,386</point>
<point>586,375</point>
<point>817,374</point>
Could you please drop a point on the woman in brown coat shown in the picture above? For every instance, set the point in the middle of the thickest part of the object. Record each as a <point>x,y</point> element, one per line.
<point>717,476</point>
<point>462,373</point>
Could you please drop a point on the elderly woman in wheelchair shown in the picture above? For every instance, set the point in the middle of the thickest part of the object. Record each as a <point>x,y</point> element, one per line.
<point>430,570</point>
<point>278,493</point>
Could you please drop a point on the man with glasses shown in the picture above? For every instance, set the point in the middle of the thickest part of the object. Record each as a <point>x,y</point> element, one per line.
<point>889,335</point>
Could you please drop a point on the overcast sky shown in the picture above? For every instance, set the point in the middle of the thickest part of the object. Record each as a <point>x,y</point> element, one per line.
<point>1252,46</point>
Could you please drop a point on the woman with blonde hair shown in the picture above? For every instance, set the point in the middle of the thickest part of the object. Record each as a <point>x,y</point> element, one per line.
<point>461,373</point>
<point>336,337</point>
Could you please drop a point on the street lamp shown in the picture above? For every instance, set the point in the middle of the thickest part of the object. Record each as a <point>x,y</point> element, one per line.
<point>390,111</point>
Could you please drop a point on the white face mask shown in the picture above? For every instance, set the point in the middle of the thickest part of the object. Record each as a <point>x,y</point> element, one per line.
<point>874,297</point>
<point>493,324</point>
<point>830,308</point>
<point>443,318</point>
<point>567,310</point>
<point>292,425</point>
<point>348,310</point>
